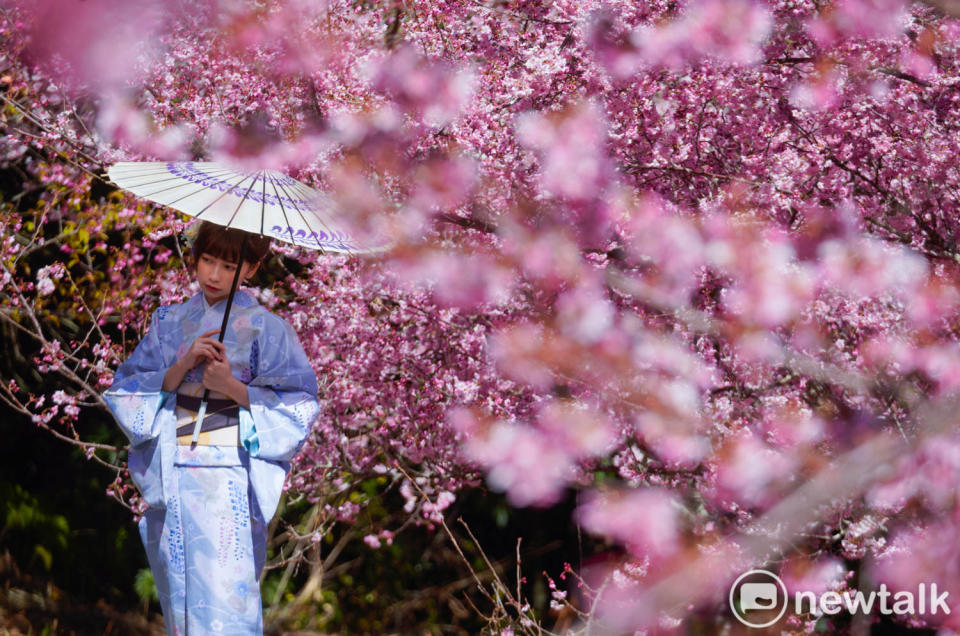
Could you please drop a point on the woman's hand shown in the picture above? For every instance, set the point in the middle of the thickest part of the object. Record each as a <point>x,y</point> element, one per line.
<point>217,377</point>
<point>205,349</point>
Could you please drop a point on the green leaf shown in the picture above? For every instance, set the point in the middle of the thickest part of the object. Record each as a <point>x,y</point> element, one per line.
<point>45,556</point>
<point>145,586</point>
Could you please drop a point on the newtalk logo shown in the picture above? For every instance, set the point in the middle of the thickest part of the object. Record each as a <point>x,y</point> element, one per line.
<point>759,598</point>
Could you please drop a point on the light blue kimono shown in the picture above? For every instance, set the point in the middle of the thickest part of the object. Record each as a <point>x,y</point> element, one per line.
<point>205,529</point>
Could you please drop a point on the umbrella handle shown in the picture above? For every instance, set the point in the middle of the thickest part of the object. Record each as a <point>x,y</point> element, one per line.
<point>233,288</point>
<point>202,411</point>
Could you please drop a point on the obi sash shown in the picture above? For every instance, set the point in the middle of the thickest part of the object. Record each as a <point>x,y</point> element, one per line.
<point>221,424</point>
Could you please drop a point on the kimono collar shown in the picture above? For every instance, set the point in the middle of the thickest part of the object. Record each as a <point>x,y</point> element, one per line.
<point>240,299</point>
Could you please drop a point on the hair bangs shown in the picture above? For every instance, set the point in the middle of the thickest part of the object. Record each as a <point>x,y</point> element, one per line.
<point>225,243</point>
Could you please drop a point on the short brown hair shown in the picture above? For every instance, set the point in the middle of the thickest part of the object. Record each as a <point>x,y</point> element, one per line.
<point>224,242</point>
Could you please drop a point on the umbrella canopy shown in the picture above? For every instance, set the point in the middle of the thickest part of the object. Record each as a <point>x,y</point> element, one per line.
<point>260,202</point>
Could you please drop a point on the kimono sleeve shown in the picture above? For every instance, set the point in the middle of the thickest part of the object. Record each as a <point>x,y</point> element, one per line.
<point>283,396</point>
<point>136,394</point>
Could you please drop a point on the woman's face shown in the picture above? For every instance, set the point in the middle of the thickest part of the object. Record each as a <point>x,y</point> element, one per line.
<point>215,276</point>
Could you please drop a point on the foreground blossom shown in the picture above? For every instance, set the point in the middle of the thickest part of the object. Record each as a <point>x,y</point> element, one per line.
<point>678,261</point>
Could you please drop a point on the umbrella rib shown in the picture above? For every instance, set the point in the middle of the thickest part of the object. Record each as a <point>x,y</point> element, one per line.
<point>159,167</point>
<point>200,189</point>
<point>142,172</point>
<point>173,187</point>
<point>307,192</point>
<point>283,211</point>
<point>305,221</point>
<point>221,179</point>
<point>243,198</point>
<point>136,167</point>
<point>263,200</point>
<point>140,168</point>
<point>222,194</point>
<point>163,167</point>
<point>146,183</point>
<point>166,171</point>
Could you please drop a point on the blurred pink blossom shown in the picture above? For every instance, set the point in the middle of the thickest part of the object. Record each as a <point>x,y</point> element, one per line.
<point>788,422</point>
<point>821,90</point>
<point>646,520</point>
<point>521,461</point>
<point>127,126</point>
<point>571,145</point>
<point>658,235</point>
<point>731,30</point>
<point>926,553</point>
<point>95,42</point>
<point>583,431</point>
<point>868,266</point>
<point>749,473</point>
<point>858,19</point>
<point>818,576</point>
<point>457,280</point>
<point>436,91</point>
<point>585,313</point>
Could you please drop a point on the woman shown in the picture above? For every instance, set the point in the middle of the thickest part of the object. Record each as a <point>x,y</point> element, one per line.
<point>210,504</point>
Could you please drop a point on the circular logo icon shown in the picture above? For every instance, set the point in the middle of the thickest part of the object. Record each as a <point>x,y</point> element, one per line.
<point>757,595</point>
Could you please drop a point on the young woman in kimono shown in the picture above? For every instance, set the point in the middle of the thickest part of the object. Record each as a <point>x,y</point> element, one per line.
<point>210,504</point>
